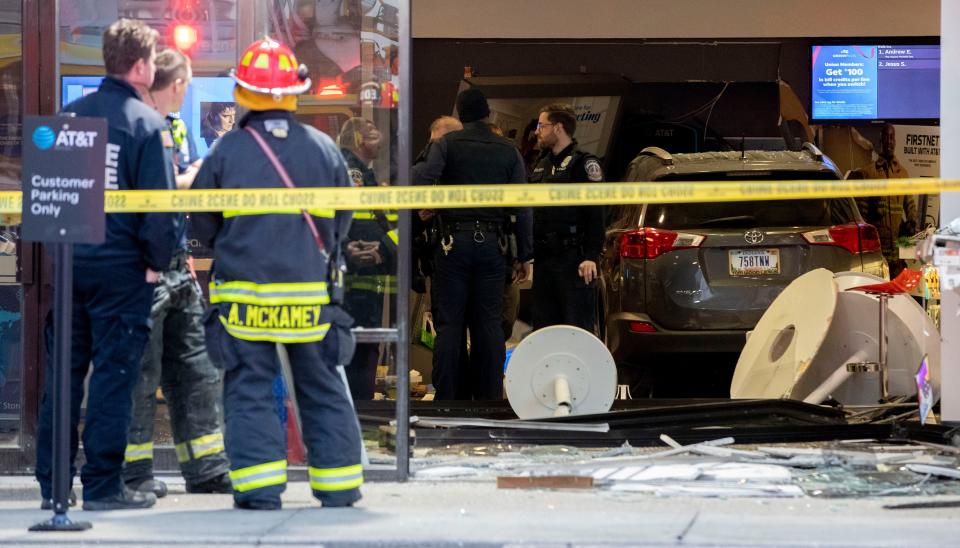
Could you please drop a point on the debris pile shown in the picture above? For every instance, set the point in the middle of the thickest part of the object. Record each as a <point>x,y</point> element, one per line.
<point>716,469</point>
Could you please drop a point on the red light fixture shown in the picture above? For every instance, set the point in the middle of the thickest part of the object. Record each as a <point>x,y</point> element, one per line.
<point>642,327</point>
<point>869,238</point>
<point>331,91</point>
<point>650,243</point>
<point>855,238</point>
<point>185,37</point>
<point>187,16</point>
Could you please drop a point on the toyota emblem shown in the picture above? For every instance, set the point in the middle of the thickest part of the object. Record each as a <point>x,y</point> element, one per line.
<point>753,236</point>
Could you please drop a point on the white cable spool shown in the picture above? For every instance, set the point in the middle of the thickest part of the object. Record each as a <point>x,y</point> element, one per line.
<point>787,338</point>
<point>803,342</point>
<point>560,370</point>
<point>904,311</point>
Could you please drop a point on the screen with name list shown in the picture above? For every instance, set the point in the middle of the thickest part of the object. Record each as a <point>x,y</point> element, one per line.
<point>875,82</point>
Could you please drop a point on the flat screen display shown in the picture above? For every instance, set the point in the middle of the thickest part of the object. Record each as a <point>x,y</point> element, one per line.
<point>208,108</point>
<point>875,82</point>
<point>75,87</point>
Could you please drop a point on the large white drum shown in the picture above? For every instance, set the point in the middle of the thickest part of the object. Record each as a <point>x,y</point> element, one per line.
<point>801,345</point>
<point>560,370</point>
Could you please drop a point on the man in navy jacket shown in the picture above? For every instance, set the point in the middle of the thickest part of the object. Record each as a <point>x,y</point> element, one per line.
<point>113,282</point>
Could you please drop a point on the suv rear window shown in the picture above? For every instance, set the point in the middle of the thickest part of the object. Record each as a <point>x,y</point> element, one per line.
<point>773,213</point>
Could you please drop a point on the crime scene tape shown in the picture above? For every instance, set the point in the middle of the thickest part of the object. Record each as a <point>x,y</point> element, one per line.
<point>500,195</point>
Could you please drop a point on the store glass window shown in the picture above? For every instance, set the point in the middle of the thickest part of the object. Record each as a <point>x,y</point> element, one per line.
<point>208,28</point>
<point>351,50</point>
<point>11,292</point>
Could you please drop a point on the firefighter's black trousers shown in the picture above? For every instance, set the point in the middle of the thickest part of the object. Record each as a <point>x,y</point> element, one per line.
<point>176,359</point>
<point>255,440</point>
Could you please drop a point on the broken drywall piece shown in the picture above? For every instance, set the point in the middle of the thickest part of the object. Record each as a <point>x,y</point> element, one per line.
<point>625,473</point>
<point>738,472</point>
<point>932,460</point>
<point>625,449</point>
<point>830,456</point>
<point>935,470</point>
<point>711,489</point>
<point>721,472</point>
<point>668,472</point>
<point>711,451</point>
<point>799,461</point>
<point>682,449</point>
<point>447,472</point>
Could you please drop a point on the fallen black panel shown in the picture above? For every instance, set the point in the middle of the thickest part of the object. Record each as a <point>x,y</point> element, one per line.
<point>923,505</point>
<point>650,437</point>
<point>500,409</point>
<point>726,413</point>
<point>931,433</point>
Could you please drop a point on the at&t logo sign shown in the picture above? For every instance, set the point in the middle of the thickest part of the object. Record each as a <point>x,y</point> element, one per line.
<point>44,137</point>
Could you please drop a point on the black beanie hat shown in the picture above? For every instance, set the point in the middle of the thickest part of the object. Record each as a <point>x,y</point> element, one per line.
<point>472,105</point>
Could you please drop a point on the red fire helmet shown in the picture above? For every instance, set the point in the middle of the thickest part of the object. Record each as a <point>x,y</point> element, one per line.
<point>271,68</point>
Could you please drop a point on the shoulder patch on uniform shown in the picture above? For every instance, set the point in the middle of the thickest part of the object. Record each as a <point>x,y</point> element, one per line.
<point>166,138</point>
<point>356,176</point>
<point>593,169</point>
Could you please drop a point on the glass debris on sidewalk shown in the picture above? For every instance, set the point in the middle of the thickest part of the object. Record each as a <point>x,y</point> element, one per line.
<point>716,468</point>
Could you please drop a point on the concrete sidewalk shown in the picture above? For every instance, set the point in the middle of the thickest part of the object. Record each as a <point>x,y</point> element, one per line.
<point>422,513</point>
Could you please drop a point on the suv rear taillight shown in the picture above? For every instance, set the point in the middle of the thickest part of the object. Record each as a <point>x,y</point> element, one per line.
<point>650,243</point>
<point>855,238</point>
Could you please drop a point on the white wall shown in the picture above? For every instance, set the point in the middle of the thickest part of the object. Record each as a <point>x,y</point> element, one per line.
<point>950,202</point>
<point>673,18</point>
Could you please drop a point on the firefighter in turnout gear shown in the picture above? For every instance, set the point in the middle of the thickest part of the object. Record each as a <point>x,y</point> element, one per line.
<point>276,279</point>
<point>370,252</point>
<point>894,216</point>
<point>176,356</point>
<point>567,240</point>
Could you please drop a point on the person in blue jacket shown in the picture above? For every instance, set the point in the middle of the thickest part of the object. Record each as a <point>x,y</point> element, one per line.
<point>113,282</point>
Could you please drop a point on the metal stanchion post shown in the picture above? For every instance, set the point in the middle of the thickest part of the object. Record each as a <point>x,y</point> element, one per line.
<point>62,318</point>
<point>403,263</point>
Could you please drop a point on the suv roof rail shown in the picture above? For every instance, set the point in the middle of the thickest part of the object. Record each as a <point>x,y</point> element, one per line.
<point>660,153</point>
<point>814,151</point>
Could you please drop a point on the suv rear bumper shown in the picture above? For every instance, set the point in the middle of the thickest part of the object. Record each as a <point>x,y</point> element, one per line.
<point>630,347</point>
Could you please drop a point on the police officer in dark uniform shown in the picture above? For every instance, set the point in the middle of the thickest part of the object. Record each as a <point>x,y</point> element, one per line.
<point>568,240</point>
<point>273,283</point>
<point>370,251</point>
<point>421,250</point>
<point>469,260</point>
<point>113,281</point>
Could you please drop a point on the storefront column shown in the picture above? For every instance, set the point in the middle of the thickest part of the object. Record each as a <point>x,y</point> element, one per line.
<point>950,202</point>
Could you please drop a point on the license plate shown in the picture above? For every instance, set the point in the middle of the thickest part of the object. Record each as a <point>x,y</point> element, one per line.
<point>754,262</point>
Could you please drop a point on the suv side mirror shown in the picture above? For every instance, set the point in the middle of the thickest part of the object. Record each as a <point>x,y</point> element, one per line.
<point>853,175</point>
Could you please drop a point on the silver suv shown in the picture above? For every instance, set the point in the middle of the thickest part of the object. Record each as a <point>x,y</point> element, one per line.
<point>684,278</point>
